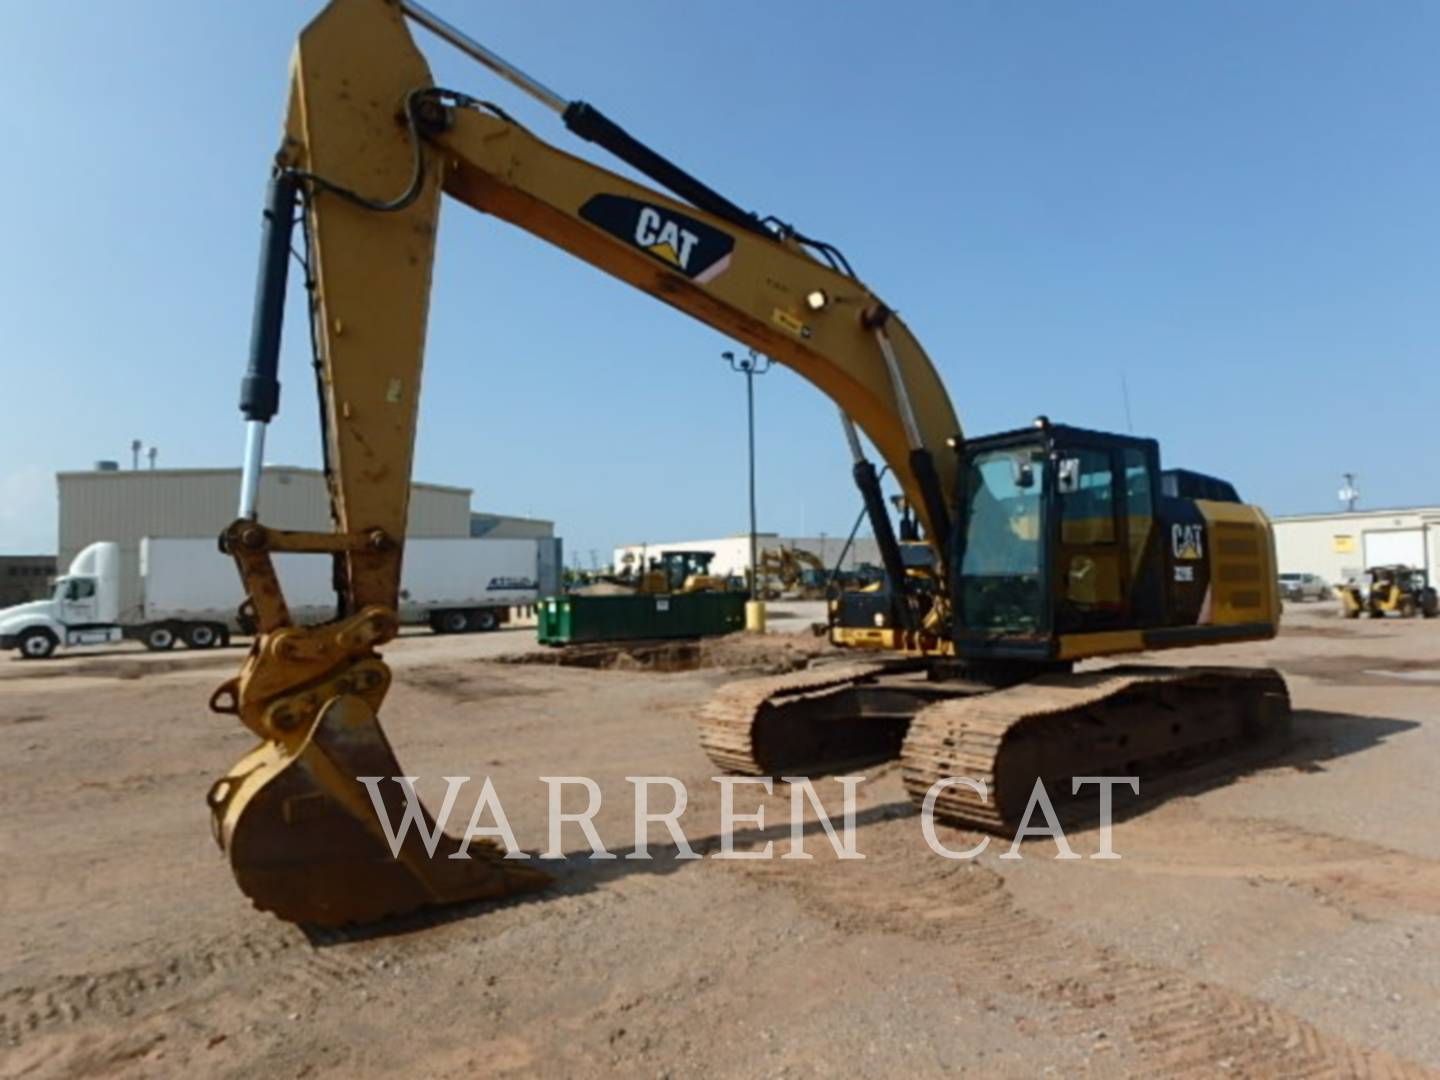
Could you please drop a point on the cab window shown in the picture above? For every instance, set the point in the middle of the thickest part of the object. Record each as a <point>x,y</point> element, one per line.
<point>1138,499</point>
<point>1087,498</point>
<point>1001,571</point>
<point>79,589</point>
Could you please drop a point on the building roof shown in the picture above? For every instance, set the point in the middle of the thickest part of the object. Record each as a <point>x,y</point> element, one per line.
<point>1379,511</point>
<point>290,470</point>
<point>487,514</point>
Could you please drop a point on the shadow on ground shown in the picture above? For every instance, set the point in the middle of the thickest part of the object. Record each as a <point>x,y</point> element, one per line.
<point>1316,739</point>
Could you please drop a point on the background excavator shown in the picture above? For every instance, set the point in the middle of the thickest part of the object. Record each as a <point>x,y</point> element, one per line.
<point>793,571</point>
<point>1050,544</point>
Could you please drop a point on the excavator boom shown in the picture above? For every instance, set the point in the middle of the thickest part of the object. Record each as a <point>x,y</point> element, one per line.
<point>370,146</point>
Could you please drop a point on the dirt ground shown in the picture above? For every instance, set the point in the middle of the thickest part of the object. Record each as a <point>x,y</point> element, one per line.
<point>1277,915</point>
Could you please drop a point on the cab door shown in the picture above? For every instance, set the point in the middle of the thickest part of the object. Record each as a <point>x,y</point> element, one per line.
<point>1093,572</point>
<point>78,601</point>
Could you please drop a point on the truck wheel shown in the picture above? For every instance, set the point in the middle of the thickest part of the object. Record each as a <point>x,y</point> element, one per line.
<point>485,620</point>
<point>202,635</point>
<point>37,643</point>
<point>159,637</point>
<point>450,622</point>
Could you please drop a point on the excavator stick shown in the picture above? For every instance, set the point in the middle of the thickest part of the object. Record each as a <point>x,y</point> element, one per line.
<point>305,842</point>
<point>295,816</point>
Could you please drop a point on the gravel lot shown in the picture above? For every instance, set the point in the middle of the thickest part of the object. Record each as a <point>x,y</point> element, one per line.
<point>1274,915</point>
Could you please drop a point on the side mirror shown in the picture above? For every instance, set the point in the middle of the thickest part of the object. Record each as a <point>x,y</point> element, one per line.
<point>1067,476</point>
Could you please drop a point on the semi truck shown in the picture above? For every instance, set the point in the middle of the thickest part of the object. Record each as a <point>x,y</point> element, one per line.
<point>191,594</point>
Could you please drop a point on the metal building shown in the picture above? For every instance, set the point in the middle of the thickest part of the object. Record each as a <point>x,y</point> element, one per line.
<point>125,506</point>
<point>1342,546</point>
<point>24,578</point>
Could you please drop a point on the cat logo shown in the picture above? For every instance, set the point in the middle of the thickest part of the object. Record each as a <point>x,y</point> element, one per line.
<point>699,251</point>
<point>1187,541</point>
<point>663,238</point>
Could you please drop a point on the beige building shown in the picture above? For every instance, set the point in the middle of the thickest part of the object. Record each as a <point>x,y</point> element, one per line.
<point>125,506</point>
<point>1342,546</point>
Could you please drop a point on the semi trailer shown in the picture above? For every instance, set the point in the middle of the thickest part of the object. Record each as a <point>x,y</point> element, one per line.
<point>190,593</point>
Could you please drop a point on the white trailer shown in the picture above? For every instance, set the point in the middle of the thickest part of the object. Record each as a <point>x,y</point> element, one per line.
<point>467,583</point>
<point>191,593</point>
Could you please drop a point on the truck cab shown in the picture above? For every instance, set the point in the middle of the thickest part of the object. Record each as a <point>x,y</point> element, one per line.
<point>81,610</point>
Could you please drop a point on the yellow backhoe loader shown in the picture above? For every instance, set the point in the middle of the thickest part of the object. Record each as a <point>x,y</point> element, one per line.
<point>681,572</point>
<point>1051,544</point>
<point>1394,590</point>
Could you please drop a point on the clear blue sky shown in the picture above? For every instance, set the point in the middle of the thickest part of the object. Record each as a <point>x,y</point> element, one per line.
<point>1233,204</point>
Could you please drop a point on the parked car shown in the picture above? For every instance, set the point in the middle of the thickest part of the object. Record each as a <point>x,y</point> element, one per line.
<point>1304,587</point>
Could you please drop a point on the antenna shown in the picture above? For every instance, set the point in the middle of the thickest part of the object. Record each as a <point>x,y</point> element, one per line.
<point>1125,396</point>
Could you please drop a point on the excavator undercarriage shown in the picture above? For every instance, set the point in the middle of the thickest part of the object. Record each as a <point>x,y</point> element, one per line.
<point>1003,730</point>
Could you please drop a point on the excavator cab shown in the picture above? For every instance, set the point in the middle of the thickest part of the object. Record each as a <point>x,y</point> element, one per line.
<point>1056,523</point>
<point>1066,534</point>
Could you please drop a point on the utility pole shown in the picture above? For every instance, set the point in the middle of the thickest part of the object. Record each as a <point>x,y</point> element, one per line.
<point>750,366</point>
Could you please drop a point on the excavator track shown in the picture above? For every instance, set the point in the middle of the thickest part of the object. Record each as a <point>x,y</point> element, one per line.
<point>1128,720</point>
<point>806,722</point>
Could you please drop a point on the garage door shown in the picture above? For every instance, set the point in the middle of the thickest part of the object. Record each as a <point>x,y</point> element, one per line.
<point>1390,547</point>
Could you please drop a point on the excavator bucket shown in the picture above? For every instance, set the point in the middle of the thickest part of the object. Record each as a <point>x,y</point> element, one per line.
<point>305,842</point>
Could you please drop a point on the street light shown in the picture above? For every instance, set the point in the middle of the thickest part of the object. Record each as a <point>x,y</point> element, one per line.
<point>1349,495</point>
<point>750,366</point>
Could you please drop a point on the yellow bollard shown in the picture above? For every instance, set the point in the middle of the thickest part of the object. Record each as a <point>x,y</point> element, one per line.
<point>755,616</point>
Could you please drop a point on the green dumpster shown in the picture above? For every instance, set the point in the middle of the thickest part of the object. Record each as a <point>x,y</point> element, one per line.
<point>569,620</point>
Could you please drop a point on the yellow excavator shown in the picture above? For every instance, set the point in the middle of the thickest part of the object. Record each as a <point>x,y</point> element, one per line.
<point>1051,544</point>
<point>791,570</point>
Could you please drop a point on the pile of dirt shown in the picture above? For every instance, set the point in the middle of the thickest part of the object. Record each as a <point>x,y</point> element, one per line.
<point>773,654</point>
<point>603,588</point>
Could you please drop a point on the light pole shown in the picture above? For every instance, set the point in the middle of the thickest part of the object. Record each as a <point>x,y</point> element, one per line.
<point>1348,493</point>
<point>750,366</point>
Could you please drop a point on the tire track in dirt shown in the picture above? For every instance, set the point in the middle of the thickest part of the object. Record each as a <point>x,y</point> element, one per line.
<point>284,956</point>
<point>1360,879</point>
<point>1161,1021</point>
<point>122,992</point>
